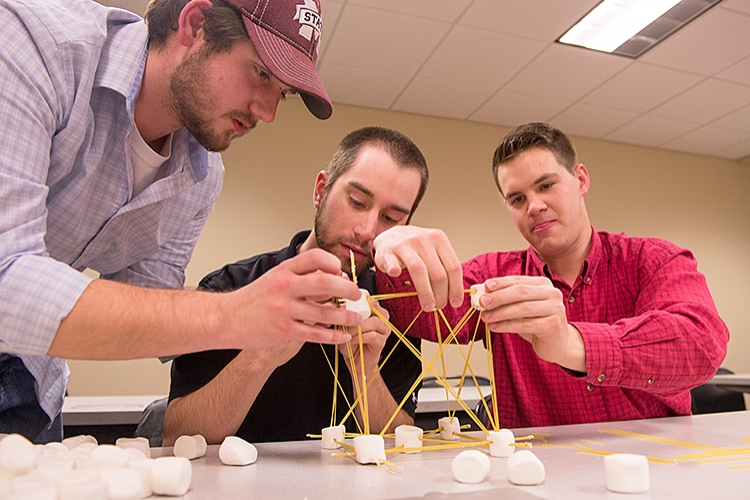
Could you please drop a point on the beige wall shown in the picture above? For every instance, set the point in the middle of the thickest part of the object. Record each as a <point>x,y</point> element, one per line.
<point>698,202</point>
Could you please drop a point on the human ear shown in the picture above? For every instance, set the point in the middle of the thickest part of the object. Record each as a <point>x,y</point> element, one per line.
<point>190,23</point>
<point>320,187</point>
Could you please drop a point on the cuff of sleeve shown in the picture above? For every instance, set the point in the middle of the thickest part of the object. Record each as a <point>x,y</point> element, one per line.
<point>603,353</point>
<point>36,294</point>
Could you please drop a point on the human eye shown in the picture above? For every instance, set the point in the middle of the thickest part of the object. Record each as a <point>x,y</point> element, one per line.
<point>355,202</point>
<point>546,186</point>
<point>515,200</point>
<point>263,74</point>
<point>390,220</point>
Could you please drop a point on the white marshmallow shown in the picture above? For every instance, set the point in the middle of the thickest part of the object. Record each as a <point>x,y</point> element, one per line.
<point>54,449</point>
<point>479,290</point>
<point>29,483</point>
<point>331,435</point>
<point>18,456</point>
<point>470,466</point>
<point>369,449</point>
<point>108,456</point>
<point>135,455</point>
<point>140,443</point>
<point>449,425</point>
<point>122,484</point>
<point>237,451</point>
<point>143,468</point>
<point>171,476</point>
<point>47,493</point>
<point>627,473</point>
<point>6,492</point>
<point>500,443</point>
<point>90,490</point>
<point>361,306</point>
<point>190,447</point>
<point>409,436</point>
<point>525,469</point>
<point>74,441</point>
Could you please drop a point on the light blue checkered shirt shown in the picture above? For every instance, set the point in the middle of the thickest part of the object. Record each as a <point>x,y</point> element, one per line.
<point>70,71</point>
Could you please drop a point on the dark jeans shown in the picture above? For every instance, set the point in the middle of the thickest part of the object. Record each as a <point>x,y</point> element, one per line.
<point>20,412</point>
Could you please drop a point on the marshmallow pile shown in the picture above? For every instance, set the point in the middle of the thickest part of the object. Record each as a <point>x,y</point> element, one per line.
<point>81,469</point>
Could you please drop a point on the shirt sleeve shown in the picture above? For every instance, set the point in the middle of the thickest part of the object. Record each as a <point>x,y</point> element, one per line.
<point>36,292</point>
<point>673,342</point>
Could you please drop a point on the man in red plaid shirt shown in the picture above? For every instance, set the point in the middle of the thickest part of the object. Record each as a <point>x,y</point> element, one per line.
<point>587,326</point>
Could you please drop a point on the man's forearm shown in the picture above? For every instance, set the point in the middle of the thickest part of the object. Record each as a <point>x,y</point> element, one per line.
<point>381,406</point>
<point>116,321</point>
<point>217,409</point>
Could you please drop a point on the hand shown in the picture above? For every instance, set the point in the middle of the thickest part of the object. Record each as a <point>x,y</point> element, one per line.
<point>292,301</point>
<point>430,259</point>
<point>531,307</point>
<point>374,335</point>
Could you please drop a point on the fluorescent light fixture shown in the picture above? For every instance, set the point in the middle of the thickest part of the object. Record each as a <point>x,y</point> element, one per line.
<point>630,27</point>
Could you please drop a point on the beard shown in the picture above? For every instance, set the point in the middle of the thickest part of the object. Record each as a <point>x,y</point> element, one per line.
<point>331,243</point>
<point>192,105</point>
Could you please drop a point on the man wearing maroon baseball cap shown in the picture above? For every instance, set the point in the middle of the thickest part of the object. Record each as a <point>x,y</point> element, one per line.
<point>110,129</point>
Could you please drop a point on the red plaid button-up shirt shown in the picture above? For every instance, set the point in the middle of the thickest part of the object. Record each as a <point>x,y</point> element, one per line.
<point>649,325</point>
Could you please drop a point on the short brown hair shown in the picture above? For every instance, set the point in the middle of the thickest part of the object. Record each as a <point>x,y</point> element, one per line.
<point>222,28</point>
<point>402,149</point>
<point>535,135</point>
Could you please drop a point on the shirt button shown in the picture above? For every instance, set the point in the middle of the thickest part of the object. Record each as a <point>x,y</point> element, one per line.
<point>407,283</point>
<point>650,380</point>
<point>587,279</point>
<point>571,299</point>
<point>590,388</point>
<point>389,286</point>
<point>601,378</point>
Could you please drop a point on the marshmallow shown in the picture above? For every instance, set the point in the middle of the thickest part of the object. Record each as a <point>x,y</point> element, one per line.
<point>627,473</point>
<point>331,435</point>
<point>140,443</point>
<point>361,306</point>
<point>90,490</point>
<point>369,449</point>
<point>237,451</point>
<point>31,483</point>
<point>108,456</point>
<point>122,484</point>
<point>143,468</point>
<point>525,469</point>
<point>449,425</point>
<point>171,476</point>
<point>46,493</point>
<point>409,436</point>
<point>17,456</point>
<point>479,290</point>
<point>75,441</point>
<point>190,447</point>
<point>54,449</point>
<point>501,443</point>
<point>470,466</point>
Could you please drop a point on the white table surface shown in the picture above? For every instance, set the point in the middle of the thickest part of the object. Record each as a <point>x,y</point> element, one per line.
<point>301,470</point>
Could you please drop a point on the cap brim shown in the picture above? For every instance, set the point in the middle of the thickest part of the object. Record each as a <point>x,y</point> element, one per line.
<point>291,67</point>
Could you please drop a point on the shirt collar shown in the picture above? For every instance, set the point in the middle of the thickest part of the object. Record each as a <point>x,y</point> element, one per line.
<point>535,266</point>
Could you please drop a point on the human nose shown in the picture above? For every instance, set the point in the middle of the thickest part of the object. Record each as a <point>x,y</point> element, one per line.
<point>536,204</point>
<point>265,104</point>
<point>367,229</point>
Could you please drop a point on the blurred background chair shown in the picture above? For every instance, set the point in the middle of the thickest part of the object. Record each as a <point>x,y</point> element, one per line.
<point>712,398</point>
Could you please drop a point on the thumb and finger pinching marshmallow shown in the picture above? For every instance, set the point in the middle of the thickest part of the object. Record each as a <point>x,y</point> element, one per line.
<point>627,473</point>
<point>525,469</point>
<point>361,306</point>
<point>478,290</point>
<point>470,466</point>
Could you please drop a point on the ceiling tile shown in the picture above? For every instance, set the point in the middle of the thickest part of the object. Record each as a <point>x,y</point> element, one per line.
<point>479,57</point>
<point>714,41</point>
<point>650,131</point>
<point>538,19</point>
<point>566,73</point>
<point>736,5</point>
<point>440,98</point>
<point>590,121</point>
<point>739,120</point>
<point>705,102</point>
<point>706,140</point>
<point>736,151</point>
<point>513,108</point>
<point>361,86</point>
<point>739,72</point>
<point>442,10</point>
<point>331,11</point>
<point>359,38</point>
<point>640,87</point>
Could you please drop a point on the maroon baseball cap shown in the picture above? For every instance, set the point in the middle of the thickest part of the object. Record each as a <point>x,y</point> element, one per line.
<point>286,34</point>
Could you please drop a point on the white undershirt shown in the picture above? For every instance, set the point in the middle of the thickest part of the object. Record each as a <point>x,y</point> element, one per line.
<point>146,161</point>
